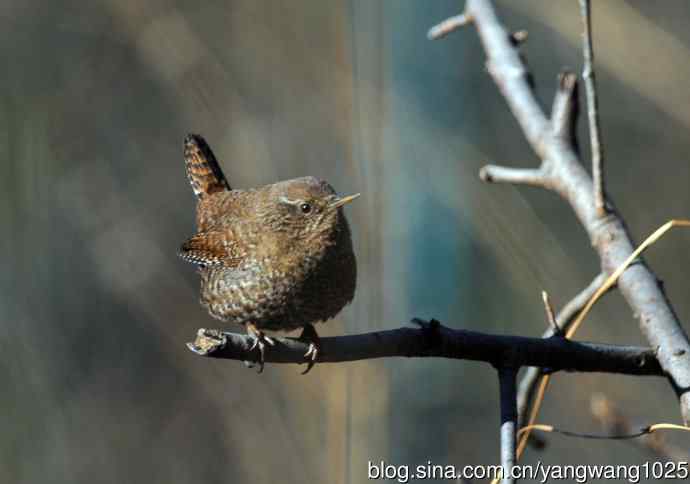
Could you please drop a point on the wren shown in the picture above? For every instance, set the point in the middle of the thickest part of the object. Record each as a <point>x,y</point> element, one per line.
<point>277,257</point>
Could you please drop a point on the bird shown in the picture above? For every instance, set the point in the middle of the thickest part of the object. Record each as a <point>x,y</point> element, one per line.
<point>278,257</point>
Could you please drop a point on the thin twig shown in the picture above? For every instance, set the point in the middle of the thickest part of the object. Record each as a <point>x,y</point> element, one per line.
<point>565,108</point>
<point>550,318</point>
<point>564,319</point>
<point>447,26</point>
<point>635,434</point>
<point>616,423</point>
<point>592,109</point>
<point>516,176</point>
<point>506,379</point>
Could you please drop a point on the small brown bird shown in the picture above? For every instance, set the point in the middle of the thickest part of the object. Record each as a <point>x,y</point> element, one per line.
<point>278,257</point>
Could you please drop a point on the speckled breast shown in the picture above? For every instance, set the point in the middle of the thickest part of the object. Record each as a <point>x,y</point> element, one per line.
<point>275,300</point>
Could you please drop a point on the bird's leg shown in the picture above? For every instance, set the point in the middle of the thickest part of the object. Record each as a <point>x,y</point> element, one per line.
<point>260,341</point>
<point>310,336</point>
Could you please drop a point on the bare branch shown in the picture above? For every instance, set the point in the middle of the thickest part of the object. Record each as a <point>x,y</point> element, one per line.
<point>565,108</point>
<point>447,26</point>
<point>658,322</point>
<point>592,108</point>
<point>516,176</point>
<point>571,310</point>
<point>435,340</point>
<point>551,319</point>
<point>506,379</point>
<point>566,316</point>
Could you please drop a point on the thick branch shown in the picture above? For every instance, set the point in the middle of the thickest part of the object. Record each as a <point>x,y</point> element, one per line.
<point>435,340</point>
<point>638,284</point>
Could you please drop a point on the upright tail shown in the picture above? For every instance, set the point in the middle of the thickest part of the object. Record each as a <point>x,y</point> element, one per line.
<point>203,170</point>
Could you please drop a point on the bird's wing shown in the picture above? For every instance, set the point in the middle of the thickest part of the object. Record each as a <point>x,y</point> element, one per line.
<point>203,170</point>
<point>211,248</point>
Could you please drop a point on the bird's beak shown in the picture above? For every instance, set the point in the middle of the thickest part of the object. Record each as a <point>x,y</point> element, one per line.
<point>344,200</point>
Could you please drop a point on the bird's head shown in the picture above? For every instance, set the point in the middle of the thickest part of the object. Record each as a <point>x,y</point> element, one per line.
<point>307,210</point>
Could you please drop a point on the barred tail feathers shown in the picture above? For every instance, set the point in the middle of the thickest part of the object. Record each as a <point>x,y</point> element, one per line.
<point>203,170</point>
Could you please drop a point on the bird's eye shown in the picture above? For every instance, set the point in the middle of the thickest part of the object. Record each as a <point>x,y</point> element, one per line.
<point>305,208</point>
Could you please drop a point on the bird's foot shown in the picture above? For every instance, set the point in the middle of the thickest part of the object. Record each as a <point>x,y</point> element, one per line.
<point>260,341</point>
<point>310,336</point>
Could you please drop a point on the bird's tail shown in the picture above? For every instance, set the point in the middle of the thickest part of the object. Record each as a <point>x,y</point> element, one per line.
<point>203,170</point>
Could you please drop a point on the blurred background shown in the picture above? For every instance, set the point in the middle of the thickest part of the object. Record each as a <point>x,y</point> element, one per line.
<point>96,308</point>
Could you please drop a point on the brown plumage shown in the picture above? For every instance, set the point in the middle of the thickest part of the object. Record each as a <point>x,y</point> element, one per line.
<point>278,257</point>
<point>203,170</point>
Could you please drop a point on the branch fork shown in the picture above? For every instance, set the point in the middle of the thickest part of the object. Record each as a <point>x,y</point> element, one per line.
<point>554,142</point>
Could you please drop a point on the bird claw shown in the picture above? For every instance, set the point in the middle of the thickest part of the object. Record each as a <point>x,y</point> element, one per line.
<point>312,353</point>
<point>260,341</point>
<point>309,334</point>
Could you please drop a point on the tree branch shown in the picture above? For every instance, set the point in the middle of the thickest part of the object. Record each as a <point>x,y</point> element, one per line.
<point>550,317</point>
<point>447,26</point>
<point>506,380</point>
<point>517,176</point>
<point>528,382</point>
<point>592,108</point>
<point>565,108</point>
<point>609,236</point>
<point>435,340</point>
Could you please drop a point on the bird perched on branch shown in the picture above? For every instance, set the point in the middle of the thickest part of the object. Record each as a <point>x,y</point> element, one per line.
<point>278,257</point>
